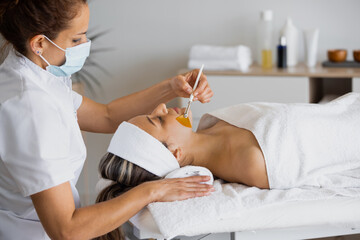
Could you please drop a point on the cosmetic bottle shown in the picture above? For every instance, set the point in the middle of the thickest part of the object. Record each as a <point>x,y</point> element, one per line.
<point>281,53</point>
<point>311,45</point>
<point>291,33</point>
<point>264,39</point>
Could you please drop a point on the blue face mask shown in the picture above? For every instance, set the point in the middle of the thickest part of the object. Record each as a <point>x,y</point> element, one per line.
<point>75,59</point>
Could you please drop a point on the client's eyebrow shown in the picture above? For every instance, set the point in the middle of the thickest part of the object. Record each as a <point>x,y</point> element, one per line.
<point>82,33</point>
<point>150,121</point>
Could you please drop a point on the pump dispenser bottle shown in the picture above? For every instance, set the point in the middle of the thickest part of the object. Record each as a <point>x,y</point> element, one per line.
<point>264,39</point>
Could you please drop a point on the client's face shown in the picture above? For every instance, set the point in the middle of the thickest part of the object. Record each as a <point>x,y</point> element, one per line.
<point>162,124</point>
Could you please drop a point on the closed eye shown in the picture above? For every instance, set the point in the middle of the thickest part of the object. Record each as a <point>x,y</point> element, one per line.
<point>152,122</point>
<point>76,40</point>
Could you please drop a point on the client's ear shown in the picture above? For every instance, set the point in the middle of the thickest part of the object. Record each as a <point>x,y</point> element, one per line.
<point>176,152</point>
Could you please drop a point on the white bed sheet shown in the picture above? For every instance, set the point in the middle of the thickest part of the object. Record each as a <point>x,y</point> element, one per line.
<point>339,212</point>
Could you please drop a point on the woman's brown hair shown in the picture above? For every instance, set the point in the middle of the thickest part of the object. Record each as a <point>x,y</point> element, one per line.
<point>125,175</point>
<point>21,20</point>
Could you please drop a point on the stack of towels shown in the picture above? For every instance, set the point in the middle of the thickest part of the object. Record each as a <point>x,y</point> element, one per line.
<point>220,58</point>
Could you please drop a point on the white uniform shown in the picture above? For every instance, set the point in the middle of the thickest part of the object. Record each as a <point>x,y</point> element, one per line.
<point>40,142</point>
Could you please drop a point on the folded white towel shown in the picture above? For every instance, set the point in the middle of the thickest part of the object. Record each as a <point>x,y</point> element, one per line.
<point>220,65</point>
<point>216,53</point>
<point>220,58</point>
<point>189,171</point>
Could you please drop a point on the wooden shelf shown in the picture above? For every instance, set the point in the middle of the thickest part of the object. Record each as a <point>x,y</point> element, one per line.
<point>322,80</point>
<point>300,70</point>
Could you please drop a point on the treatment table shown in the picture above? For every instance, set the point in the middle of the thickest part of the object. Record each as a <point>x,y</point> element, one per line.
<point>293,219</point>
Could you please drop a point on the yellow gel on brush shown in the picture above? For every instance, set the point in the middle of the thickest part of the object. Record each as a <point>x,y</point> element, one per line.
<point>185,121</point>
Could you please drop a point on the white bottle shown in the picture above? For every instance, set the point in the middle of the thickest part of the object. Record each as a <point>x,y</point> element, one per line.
<point>311,44</point>
<point>264,39</point>
<point>291,34</point>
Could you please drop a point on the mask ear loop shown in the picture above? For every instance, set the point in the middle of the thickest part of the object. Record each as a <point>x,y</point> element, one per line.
<point>54,43</point>
<point>38,52</point>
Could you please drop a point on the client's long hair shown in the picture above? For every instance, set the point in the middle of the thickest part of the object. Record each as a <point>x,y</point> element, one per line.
<point>125,175</point>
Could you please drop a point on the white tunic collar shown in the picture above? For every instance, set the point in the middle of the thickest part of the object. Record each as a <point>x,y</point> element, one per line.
<point>22,63</point>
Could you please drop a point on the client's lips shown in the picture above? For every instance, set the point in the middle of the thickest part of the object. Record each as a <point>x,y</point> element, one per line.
<point>177,110</point>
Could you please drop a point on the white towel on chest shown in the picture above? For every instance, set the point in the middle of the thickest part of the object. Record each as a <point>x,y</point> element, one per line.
<point>303,144</point>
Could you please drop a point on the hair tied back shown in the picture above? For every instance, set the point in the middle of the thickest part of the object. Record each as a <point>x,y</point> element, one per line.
<point>12,3</point>
<point>5,5</point>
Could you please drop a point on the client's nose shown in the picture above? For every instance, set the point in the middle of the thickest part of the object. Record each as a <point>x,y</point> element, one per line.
<point>160,109</point>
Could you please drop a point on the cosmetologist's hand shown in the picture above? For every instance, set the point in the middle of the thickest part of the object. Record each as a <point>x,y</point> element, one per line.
<point>182,86</point>
<point>168,190</point>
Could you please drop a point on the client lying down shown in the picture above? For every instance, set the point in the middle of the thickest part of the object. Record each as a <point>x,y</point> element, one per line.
<point>266,145</point>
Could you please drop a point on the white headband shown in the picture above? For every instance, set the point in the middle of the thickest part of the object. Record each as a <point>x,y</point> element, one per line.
<point>137,146</point>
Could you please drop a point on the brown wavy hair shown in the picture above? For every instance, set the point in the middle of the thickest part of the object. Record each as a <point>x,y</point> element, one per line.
<point>21,20</point>
<point>125,175</point>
